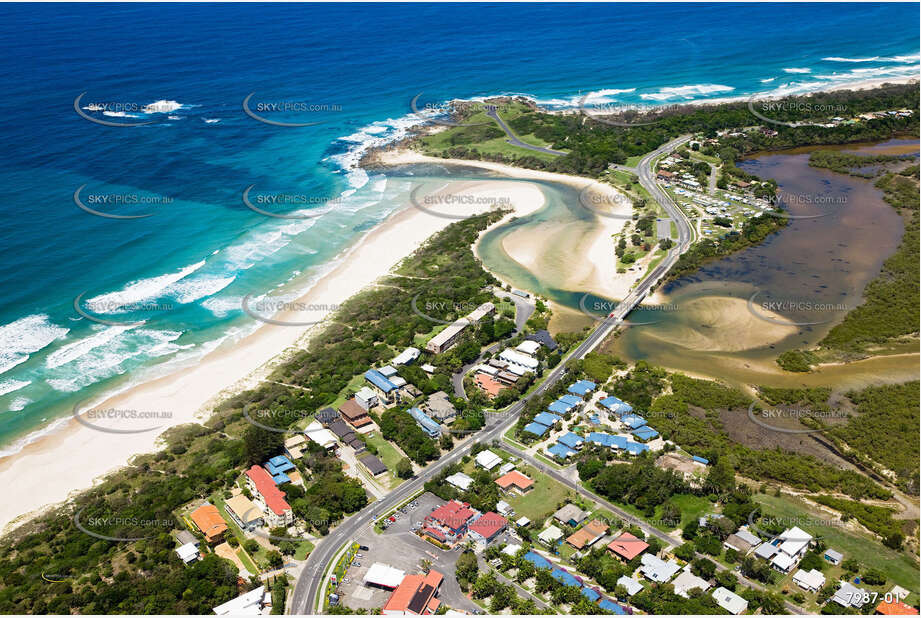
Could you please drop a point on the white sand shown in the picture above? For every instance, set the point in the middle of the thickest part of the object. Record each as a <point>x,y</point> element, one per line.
<point>68,460</point>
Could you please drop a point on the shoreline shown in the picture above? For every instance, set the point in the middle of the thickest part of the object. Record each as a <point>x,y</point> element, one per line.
<point>55,467</point>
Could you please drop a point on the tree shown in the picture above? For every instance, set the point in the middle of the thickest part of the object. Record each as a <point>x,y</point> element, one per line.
<point>405,468</point>
<point>467,569</point>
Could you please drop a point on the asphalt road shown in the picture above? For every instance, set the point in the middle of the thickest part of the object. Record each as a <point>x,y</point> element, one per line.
<point>513,139</point>
<point>311,580</point>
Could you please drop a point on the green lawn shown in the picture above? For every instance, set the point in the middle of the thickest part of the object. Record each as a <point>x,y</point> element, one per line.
<point>260,556</point>
<point>691,507</point>
<point>898,566</point>
<point>541,502</point>
<point>633,161</point>
<point>247,563</point>
<point>303,550</point>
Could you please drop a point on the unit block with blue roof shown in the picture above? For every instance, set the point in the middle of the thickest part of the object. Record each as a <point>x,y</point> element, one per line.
<point>606,439</point>
<point>545,418</point>
<point>429,426</point>
<point>565,578</point>
<point>616,405</point>
<point>536,428</point>
<point>279,465</point>
<point>635,448</point>
<point>561,450</point>
<point>590,594</point>
<point>633,421</point>
<point>610,606</point>
<point>582,388</point>
<point>537,560</point>
<point>571,440</point>
<point>700,459</point>
<point>379,381</point>
<point>645,433</point>
<point>558,407</point>
<point>571,400</point>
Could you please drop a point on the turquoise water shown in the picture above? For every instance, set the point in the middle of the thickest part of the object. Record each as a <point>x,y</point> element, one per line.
<point>184,271</point>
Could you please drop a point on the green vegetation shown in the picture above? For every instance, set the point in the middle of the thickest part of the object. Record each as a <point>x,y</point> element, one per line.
<point>397,425</point>
<point>876,519</point>
<point>800,361</point>
<point>848,162</point>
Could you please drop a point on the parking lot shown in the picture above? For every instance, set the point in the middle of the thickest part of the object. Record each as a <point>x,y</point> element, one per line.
<point>399,548</point>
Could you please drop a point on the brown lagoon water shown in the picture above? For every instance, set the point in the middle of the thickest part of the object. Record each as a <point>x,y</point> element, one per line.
<point>810,273</point>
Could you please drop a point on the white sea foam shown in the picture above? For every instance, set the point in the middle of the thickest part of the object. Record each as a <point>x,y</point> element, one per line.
<point>119,114</point>
<point>797,70</point>
<point>139,291</point>
<point>77,349</point>
<point>19,403</point>
<point>686,92</point>
<point>212,120</point>
<point>25,336</point>
<point>161,107</point>
<point>768,80</point>
<point>222,306</point>
<point>840,59</point>
<point>194,288</point>
<point>9,386</point>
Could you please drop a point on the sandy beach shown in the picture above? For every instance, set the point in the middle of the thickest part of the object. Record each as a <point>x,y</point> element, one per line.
<point>57,465</point>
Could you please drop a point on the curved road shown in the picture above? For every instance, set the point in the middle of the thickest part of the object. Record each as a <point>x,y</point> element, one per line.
<point>513,139</point>
<point>312,578</point>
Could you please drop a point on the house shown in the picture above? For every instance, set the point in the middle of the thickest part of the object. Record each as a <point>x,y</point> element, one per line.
<point>449,336</point>
<point>208,519</point>
<point>547,419</point>
<point>278,467</point>
<point>523,522</point>
<point>571,400</point>
<point>504,508</point>
<point>428,368</point>
<point>616,405</point>
<point>248,604</point>
<point>383,576</point>
<point>571,440</point>
<point>342,431</point>
<point>543,337</point>
<point>766,551</point>
<point>430,427</point>
<point>487,459</point>
<point>634,448</point>
<point>386,390</point>
<point>665,175</point>
<point>536,428</point>
<point>559,407</point>
<point>506,468</point>
<point>388,371</point>
<point>243,512</point>
<point>366,398</point>
<point>561,451</point>
<point>849,595</point>
<point>590,593</point>
<point>606,439</point>
<point>515,481</point>
<point>794,544</point>
<point>550,536</point>
<point>730,601</point>
<point>295,445</point>
<point>627,547</point>
<point>460,481</point>
<point>439,407</point>
<point>322,436</point>
<point>687,581</point>
<point>488,384</point>
<point>486,527</point>
<point>511,550</point>
<point>809,580</point>
<point>588,535</point>
<point>268,497</point>
<point>528,347</point>
<point>451,519</point>
<point>517,361</point>
<point>407,356</point>
<point>738,543</point>
<point>582,388</point>
<point>570,515</point>
<point>833,556</point>
<point>354,414</point>
<point>373,464</point>
<point>657,570</point>
<point>631,585</point>
<point>188,553</point>
<point>633,421</point>
<point>895,608</point>
<point>326,416</point>
<point>415,596</point>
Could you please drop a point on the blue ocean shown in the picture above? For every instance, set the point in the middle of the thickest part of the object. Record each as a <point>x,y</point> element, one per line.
<point>128,149</point>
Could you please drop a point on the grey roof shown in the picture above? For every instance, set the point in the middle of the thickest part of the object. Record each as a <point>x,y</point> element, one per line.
<point>570,512</point>
<point>184,537</point>
<point>834,555</point>
<point>327,415</point>
<point>440,407</point>
<point>766,551</point>
<point>372,463</point>
<point>850,596</point>
<point>339,428</point>
<point>748,537</point>
<point>543,337</point>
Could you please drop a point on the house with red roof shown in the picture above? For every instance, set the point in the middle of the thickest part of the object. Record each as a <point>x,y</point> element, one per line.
<point>895,608</point>
<point>268,497</point>
<point>415,596</point>
<point>515,481</point>
<point>627,547</point>
<point>486,527</point>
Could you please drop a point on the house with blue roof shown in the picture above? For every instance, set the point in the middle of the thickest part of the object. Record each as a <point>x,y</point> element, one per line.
<point>558,407</point>
<point>565,578</point>
<point>635,448</point>
<point>279,465</point>
<point>536,428</point>
<point>571,400</point>
<point>281,478</point>
<point>645,433</point>
<point>571,440</point>
<point>633,421</point>
<point>610,606</point>
<point>385,389</point>
<point>606,439</point>
<point>616,405</point>
<point>700,460</point>
<point>545,418</point>
<point>582,388</point>
<point>560,450</point>
<point>429,426</point>
<point>537,560</point>
<point>590,594</point>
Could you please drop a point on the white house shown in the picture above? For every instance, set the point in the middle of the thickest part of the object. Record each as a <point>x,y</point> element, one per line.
<point>366,398</point>
<point>809,580</point>
<point>249,604</point>
<point>631,585</point>
<point>550,536</point>
<point>188,553</point>
<point>513,357</point>
<point>730,601</point>
<point>460,480</point>
<point>487,459</point>
<point>687,581</point>
<point>795,543</point>
<point>529,347</point>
